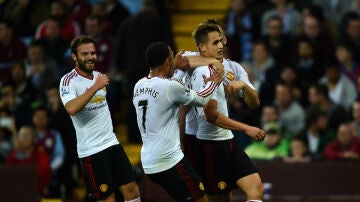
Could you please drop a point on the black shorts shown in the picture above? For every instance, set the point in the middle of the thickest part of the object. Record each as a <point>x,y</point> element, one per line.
<point>105,171</point>
<point>190,148</point>
<point>220,164</point>
<point>181,181</point>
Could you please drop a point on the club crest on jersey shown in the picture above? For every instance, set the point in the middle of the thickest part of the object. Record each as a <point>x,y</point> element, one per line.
<point>230,76</point>
<point>97,99</point>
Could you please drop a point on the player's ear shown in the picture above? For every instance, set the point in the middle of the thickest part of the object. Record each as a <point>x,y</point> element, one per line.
<point>202,47</point>
<point>73,56</point>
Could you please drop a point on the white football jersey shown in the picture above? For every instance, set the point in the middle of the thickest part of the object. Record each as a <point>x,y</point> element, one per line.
<point>93,125</point>
<point>157,102</point>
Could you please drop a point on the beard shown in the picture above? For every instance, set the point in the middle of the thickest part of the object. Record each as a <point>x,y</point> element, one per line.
<point>86,67</point>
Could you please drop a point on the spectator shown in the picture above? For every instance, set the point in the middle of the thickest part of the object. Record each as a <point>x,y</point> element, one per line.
<point>77,11</point>
<point>341,89</point>
<point>292,115</point>
<point>11,48</point>
<point>116,13</point>
<point>135,34</point>
<point>40,68</point>
<point>269,113</point>
<point>260,65</point>
<point>334,10</point>
<point>273,147</point>
<point>104,44</point>
<point>319,98</point>
<point>25,92</point>
<point>316,133</point>
<point>356,117</point>
<point>290,17</point>
<point>348,64</point>
<point>308,68</point>
<point>239,31</point>
<point>277,41</point>
<point>50,141</point>
<point>313,31</point>
<point>29,154</point>
<point>346,146</point>
<point>61,121</point>
<point>299,151</point>
<point>351,34</point>
<point>289,76</point>
<point>6,145</point>
<point>54,45</point>
<point>20,112</point>
<point>68,28</point>
<point>26,15</point>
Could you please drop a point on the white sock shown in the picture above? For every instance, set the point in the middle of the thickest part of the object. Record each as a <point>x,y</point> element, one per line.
<point>135,200</point>
<point>254,201</point>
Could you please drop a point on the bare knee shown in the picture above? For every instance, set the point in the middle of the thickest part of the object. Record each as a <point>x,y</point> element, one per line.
<point>130,191</point>
<point>110,198</point>
<point>252,186</point>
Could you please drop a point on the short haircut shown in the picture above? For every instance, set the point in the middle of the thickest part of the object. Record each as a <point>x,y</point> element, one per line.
<point>313,114</point>
<point>275,17</point>
<point>215,22</point>
<point>77,41</point>
<point>156,54</point>
<point>201,32</point>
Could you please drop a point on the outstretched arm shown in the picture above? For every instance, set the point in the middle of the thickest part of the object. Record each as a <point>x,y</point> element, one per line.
<point>220,120</point>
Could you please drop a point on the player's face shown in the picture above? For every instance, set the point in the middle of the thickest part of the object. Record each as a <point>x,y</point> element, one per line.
<point>86,57</point>
<point>214,46</point>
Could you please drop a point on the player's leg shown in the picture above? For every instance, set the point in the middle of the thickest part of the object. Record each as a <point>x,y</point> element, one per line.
<point>214,166</point>
<point>246,176</point>
<point>123,174</point>
<point>252,186</point>
<point>96,177</point>
<point>181,182</point>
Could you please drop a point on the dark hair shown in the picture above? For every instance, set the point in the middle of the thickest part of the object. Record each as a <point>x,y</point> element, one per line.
<point>321,89</point>
<point>41,107</point>
<point>156,54</point>
<point>215,22</point>
<point>275,17</point>
<point>313,115</point>
<point>201,32</point>
<point>36,43</point>
<point>77,41</point>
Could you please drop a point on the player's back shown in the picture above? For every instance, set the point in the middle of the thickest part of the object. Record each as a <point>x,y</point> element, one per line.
<point>157,121</point>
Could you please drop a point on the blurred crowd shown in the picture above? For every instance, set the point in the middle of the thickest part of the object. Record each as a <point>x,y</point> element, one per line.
<point>303,57</point>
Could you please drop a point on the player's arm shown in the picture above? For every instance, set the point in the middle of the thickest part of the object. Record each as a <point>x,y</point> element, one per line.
<point>250,95</point>
<point>75,105</point>
<point>220,120</point>
<point>183,110</point>
<point>178,93</point>
<point>186,60</point>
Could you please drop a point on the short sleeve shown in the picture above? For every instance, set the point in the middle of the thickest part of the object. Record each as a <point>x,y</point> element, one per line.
<point>67,91</point>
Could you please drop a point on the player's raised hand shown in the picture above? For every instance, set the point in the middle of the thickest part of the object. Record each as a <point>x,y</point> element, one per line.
<point>101,81</point>
<point>218,66</point>
<point>255,133</point>
<point>181,62</point>
<point>214,77</point>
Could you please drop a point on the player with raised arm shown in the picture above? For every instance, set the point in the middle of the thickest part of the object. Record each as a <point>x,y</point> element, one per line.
<point>157,99</point>
<point>230,166</point>
<point>103,160</point>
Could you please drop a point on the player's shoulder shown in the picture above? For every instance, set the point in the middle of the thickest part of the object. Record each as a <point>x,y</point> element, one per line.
<point>68,78</point>
<point>191,53</point>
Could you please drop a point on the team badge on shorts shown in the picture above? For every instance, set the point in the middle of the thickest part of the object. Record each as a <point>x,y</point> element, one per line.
<point>230,76</point>
<point>104,187</point>
<point>201,186</point>
<point>221,185</point>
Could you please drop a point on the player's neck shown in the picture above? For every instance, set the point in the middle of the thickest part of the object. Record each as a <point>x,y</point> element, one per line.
<point>85,74</point>
<point>157,73</point>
